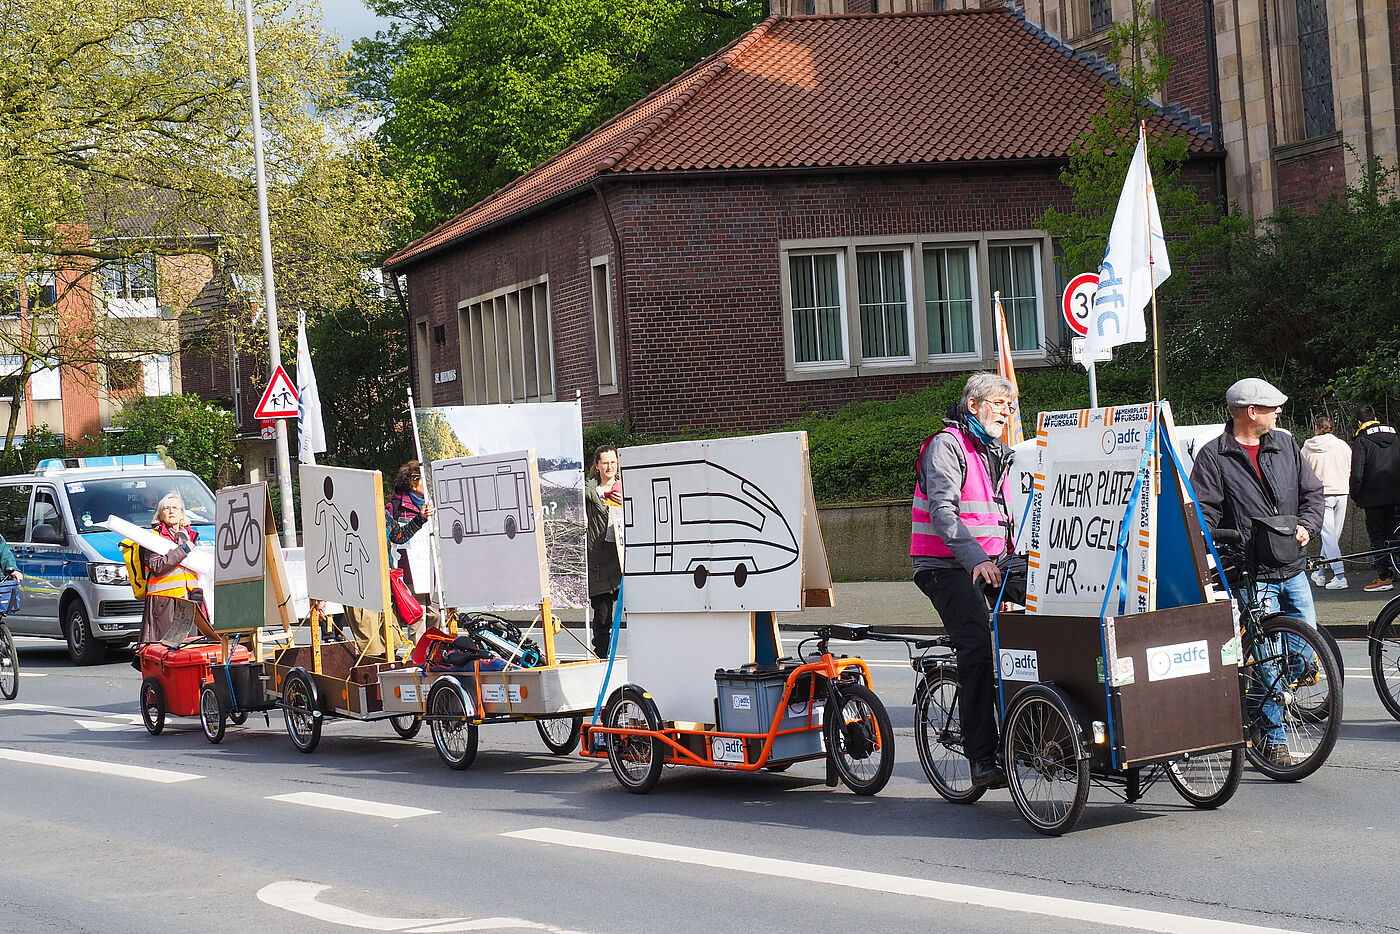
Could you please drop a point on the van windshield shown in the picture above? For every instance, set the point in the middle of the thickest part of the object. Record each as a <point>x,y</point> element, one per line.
<point>134,499</point>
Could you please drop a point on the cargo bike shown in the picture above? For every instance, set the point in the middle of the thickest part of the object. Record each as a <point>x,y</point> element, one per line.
<point>1126,677</point>
<point>701,594</point>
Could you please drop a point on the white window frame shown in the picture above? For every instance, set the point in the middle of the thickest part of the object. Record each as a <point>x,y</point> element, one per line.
<point>970,247</point>
<point>606,387</point>
<point>480,322</point>
<point>920,360</point>
<point>816,368</point>
<point>909,329</point>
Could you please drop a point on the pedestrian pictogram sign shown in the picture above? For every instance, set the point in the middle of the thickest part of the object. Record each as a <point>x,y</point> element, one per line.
<point>279,400</point>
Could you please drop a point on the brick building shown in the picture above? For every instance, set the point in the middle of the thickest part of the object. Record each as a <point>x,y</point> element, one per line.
<point>819,213</point>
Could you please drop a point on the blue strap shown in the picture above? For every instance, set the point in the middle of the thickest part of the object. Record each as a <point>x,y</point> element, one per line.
<point>1120,557</point>
<point>612,653</point>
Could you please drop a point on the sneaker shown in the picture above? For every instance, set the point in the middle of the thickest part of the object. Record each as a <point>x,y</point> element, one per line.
<point>1380,584</point>
<point>987,774</point>
<point>1336,583</point>
<point>1319,578</point>
<point>1277,754</point>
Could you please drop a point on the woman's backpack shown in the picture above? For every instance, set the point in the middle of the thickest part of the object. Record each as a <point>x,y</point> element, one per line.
<point>135,570</point>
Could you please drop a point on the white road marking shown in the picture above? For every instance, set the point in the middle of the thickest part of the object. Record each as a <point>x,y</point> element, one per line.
<point>353,805</point>
<point>21,707</point>
<point>300,897</point>
<point>105,726</point>
<point>1117,916</point>
<point>164,776</point>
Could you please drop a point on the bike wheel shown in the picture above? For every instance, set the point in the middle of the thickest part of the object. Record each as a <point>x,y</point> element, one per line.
<point>153,706</point>
<point>1313,701</point>
<point>252,542</point>
<point>454,736</point>
<point>224,546</point>
<point>302,717</point>
<point>860,738</point>
<point>938,734</point>
<point>635,760</point>
<point>211,714</point>
<point>238,717</point>
<point>1384,650</point>
<point>1289,671</point>
<point>560,734</point>
<point>1045,768</point>
<point>9,664</point>
<point>1207,781</point>
<point>406,725</point>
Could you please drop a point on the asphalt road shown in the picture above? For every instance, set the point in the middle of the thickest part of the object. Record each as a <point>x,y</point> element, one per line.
<point>371,832</point>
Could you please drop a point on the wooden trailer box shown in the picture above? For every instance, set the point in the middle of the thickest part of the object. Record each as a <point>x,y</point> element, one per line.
<point>345,688</point>
<point>1168,686</point>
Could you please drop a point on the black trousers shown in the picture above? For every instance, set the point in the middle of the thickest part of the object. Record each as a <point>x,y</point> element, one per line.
<point>963,607</point>
<point>602,622</point>
<point>1380,528</point>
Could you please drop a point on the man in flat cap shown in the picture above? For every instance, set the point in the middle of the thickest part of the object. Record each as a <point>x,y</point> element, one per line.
<point>1252,472</point>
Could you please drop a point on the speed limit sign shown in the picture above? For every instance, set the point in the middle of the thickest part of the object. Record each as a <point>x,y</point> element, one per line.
<point>1078,301</point>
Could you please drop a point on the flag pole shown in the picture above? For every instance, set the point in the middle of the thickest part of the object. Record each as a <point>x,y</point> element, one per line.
<point>432,539</point>
<point>1148,197</point>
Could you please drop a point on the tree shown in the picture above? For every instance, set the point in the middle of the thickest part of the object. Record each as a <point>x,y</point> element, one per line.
<point>1098,164</point>
<point>475,92</point>
<point>125,128</point>
<point>199,437</point>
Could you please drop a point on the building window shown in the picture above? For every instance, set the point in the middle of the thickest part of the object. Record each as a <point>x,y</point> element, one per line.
<point>1014,271</point>
<point>425,363</point>
<point>603,330</point>
<point>1100,14</point>
<point>507,353</point>
<point>43,291</point>
<point>125,376</point>
<point>1315,61</point>
<point>818,309</point>
<point>882,281</point>
<point>133,278</point>
<point>156,374</point>
<point>45,384</point>
<point>949,306</point>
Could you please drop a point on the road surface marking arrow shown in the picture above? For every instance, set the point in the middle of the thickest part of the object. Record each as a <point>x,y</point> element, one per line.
<point>300,897</point>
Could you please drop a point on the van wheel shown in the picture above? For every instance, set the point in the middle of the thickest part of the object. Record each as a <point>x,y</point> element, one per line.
<point>83,647</point>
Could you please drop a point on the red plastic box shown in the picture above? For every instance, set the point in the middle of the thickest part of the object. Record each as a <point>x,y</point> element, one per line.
<point>183,671</point>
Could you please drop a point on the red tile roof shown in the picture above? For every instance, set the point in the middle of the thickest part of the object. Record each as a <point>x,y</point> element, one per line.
<point>953,87</point>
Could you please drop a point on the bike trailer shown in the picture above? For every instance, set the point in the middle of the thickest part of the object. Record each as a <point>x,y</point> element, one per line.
<point>183,671</point>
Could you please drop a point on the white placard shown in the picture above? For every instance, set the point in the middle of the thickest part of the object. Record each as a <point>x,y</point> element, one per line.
<point>342,520</point>
<point>1089,463</point>
<point>715,526</point>
<point>490,530</point>
<point>239,512</point>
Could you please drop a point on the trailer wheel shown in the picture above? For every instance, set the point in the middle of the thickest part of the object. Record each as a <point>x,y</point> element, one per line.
<point>211,714</point>
<point>635,760</point>
<point>560,734</point>
<point>406,725</point>
<point>1046,768</point>
<point>153,706</point>
<point>300,711</point>
<point>454,736</point>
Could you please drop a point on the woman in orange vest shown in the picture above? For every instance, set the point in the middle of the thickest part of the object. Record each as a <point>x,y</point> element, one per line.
<point>166,578</point>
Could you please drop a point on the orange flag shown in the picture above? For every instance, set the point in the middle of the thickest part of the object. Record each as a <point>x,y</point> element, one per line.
<point>1012,434</point>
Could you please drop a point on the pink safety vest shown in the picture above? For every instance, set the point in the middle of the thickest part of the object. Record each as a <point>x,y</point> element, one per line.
<point>977,507</point>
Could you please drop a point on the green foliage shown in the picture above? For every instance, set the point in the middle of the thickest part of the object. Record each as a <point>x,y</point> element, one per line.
<point>475,92</point>
<point>1311,299</point>
<point>38,443</point>
<point>1099,163</point>
<point>199,437</point>
<point>360,356</point>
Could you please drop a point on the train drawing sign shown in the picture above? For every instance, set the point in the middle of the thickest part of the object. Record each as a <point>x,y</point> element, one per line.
<point>718,526</point>
<point>479,497</point>
<point>491,535</point>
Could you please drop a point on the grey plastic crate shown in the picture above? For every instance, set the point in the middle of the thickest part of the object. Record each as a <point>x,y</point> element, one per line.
<point>748,700</point>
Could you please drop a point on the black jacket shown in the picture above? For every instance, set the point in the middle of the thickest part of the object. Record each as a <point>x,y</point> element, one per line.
<point>1375,466</point>
<point>1230,492</point>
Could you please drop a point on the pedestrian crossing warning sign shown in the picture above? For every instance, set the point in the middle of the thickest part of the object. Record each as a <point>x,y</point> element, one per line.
<point>279,400</point>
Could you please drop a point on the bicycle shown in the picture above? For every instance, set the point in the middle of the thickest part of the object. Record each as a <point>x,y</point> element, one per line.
<point>1383,647</point>
<point>1290,676</point>
<point>1048,771</point>
<point>9,657</point>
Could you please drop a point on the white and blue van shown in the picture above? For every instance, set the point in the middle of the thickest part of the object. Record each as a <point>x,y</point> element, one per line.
<point>75,585</point>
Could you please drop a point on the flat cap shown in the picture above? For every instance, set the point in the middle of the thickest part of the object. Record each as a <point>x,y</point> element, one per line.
<point>1254,391</point>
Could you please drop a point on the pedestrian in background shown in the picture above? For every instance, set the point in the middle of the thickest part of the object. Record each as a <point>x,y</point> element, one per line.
<point>1375,487</point>
<point>1330,458</point>
<point>603,493</point>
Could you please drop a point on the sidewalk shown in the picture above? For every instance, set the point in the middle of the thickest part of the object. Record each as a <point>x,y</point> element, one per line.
<point>898,606</point>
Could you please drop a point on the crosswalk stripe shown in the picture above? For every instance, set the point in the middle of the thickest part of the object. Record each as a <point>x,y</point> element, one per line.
<point>163,776</point>
<point>351,805</point>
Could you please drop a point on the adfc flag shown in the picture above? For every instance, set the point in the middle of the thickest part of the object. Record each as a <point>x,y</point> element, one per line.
<point>1012,434</point>
<point>1135,263</point>
<point>311,431</point>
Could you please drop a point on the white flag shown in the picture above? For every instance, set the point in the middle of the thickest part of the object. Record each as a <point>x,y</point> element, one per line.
<point>1135,262</point>
<point>311,431</point>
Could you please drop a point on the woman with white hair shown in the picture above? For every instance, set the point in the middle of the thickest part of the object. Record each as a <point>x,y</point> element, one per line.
<point>166,578</point>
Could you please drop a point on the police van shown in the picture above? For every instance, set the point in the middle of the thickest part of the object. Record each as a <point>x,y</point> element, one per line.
<point>75,585</point>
